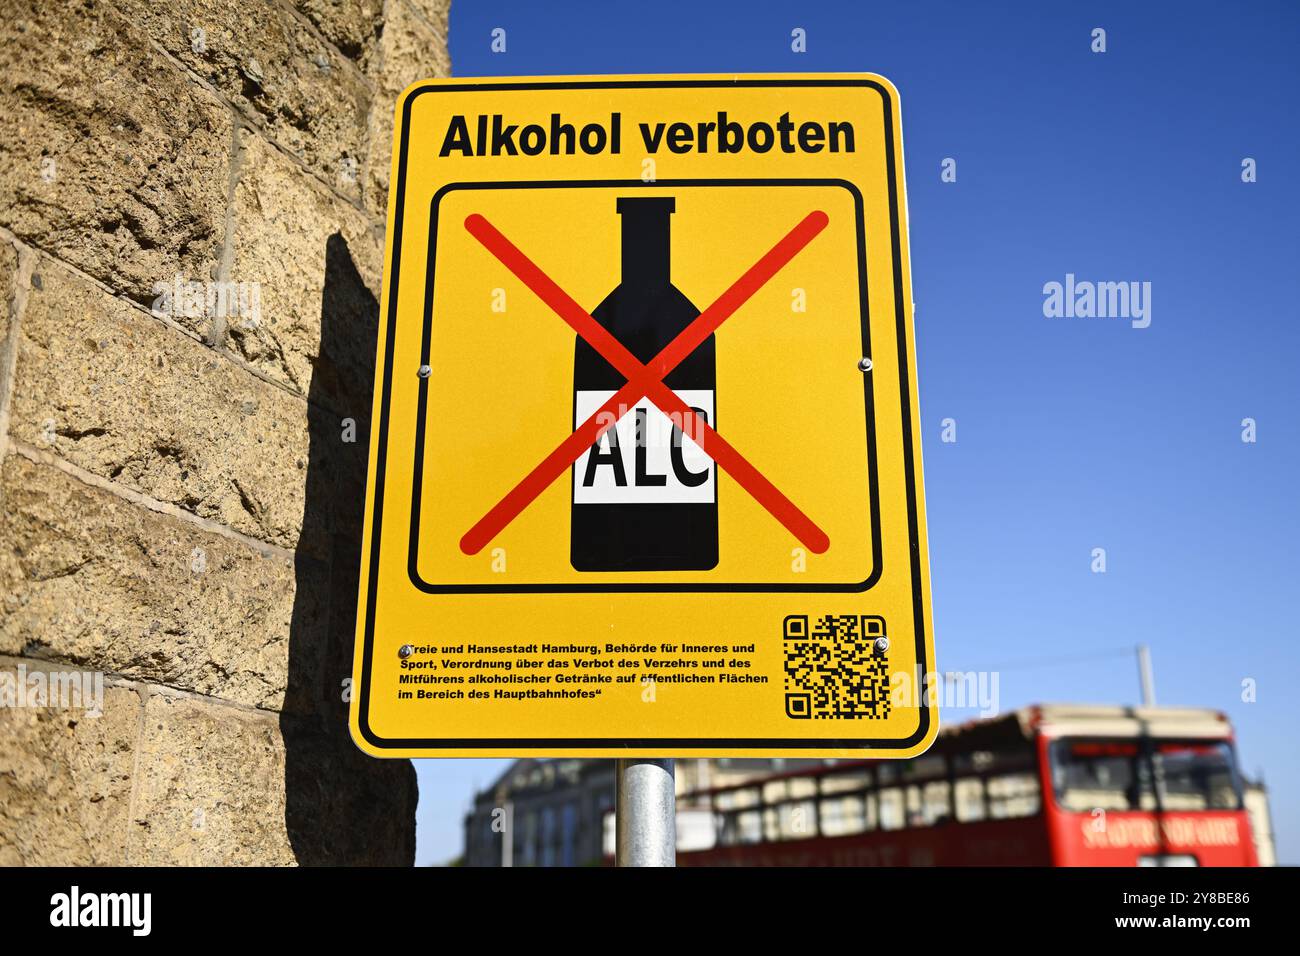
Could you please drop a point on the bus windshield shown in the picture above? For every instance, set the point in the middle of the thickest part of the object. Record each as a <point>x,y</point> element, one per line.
<point>1145,774</point>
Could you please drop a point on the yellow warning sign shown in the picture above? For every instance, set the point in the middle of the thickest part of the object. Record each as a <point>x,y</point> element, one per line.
<point>645,472</point>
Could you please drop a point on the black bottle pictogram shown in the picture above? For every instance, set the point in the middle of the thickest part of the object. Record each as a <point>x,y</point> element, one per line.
<point>644,499</point>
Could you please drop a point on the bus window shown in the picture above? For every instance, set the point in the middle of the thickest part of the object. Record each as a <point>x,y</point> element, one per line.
<point>859,778</point>
<point>773,791</point>
<point>771,824</point>
<point>935,807</point>
<point>1013,795</point>
<point>1122,775</point>
<point>801,786</point>
<point>927,804</point>
<point>892,816</point>
<point>912,805</point>
<point>841,815</point>
<point>968,799</point>
<point>795,820</point>
<point>1196,776</point>
<point>873,812</point>
<point>736,799</point>
<point>739,818</point>
<point>748,827</point>
<point>1095,775</point>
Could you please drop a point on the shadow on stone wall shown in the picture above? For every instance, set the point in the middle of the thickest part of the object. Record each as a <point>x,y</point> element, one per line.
<point>341,806</point>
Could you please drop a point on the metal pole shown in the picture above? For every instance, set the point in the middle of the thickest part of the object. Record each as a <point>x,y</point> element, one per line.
<point>645,813</point>
<point>1146,676</point>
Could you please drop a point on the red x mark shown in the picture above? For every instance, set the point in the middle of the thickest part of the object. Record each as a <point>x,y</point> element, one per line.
<point>645,380</point>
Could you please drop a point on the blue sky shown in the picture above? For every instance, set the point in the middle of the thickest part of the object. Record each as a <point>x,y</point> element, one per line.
<point>1072,434</point>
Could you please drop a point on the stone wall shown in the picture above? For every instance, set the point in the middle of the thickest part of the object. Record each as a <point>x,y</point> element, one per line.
<point>181,476</point>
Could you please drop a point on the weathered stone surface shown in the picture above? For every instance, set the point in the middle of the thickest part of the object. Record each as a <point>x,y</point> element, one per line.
<point>275,69</point>
<point>435,13</point>
<point>196,139</point>
<point>90,580</point>
<point>210,787</point>
<point>221,786</point>
<point>117,392</point>
<point>65,779</point>
<point>8,266</point>
<point>319,265</point>
<point>110,157</point>
<point>351,25</point>
<point>413,47</point>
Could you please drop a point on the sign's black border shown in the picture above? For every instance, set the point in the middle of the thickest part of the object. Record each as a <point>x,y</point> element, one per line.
<point>671,744</point>
<point>675,587</point>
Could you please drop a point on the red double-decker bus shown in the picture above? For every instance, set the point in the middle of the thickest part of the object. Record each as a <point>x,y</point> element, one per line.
<point>1056,785</point>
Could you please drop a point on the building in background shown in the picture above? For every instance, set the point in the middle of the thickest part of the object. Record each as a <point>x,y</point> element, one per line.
<point>1255,796</point>
<point>560,812</point>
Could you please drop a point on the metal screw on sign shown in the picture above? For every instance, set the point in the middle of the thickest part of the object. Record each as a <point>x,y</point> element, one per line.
<point>864,365</point>
<point>406,650</point>
<point>882,644</point>
<point>424,371</point>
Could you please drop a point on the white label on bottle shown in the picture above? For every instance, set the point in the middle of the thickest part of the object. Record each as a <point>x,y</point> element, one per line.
<point>657,473</point>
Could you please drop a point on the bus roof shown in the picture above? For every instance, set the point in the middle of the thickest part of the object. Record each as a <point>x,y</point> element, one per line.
<point>1059,720</point>
<point>1015,730</point>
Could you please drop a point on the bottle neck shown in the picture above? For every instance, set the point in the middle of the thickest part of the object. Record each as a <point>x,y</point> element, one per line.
<point>647,240</point>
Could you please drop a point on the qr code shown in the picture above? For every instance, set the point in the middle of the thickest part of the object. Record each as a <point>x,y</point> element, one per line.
<point>835,668</point>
